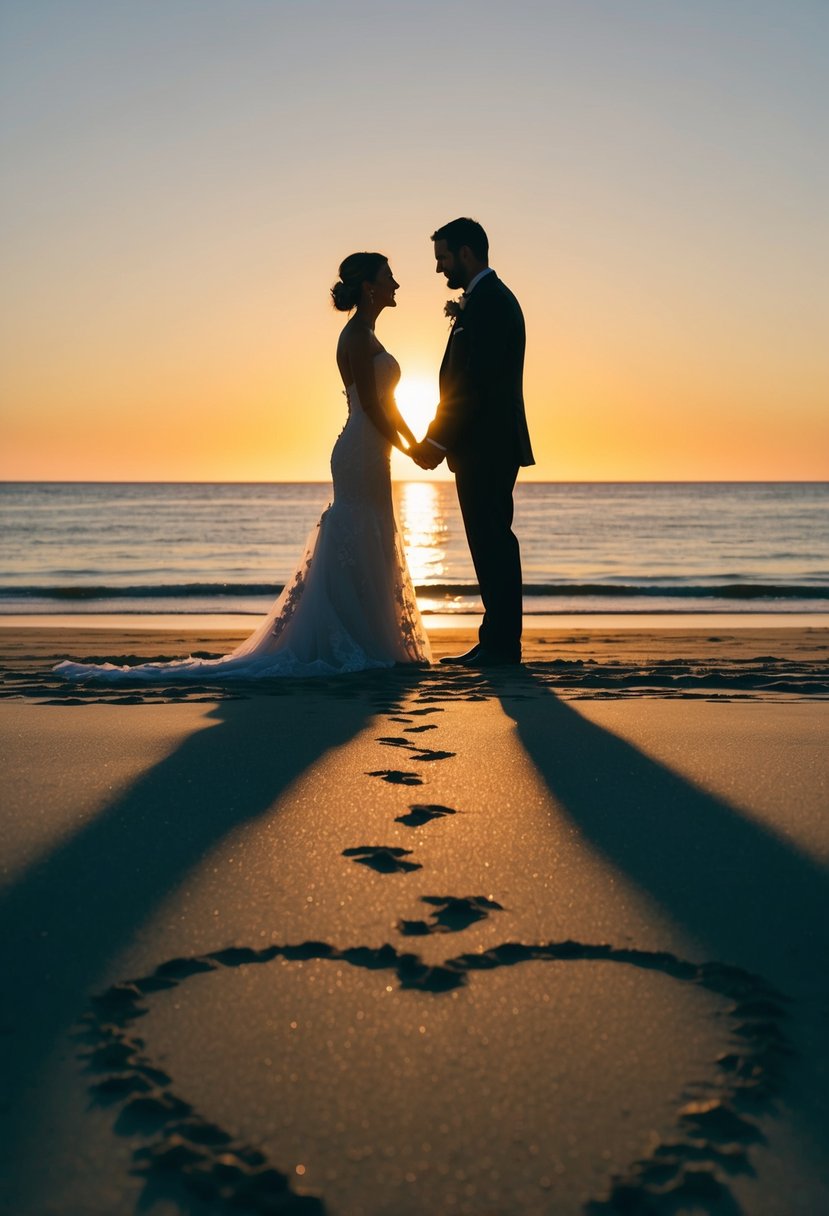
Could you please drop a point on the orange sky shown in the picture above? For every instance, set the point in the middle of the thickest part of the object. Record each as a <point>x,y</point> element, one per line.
<point>185,180</point>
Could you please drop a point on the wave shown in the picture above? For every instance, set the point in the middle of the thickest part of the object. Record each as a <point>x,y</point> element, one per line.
<point>729,591</point>
<point>446,591</point>
<point>140,592</point>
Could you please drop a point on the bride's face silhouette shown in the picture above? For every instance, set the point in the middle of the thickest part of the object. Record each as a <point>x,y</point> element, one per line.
<point>384,287</point>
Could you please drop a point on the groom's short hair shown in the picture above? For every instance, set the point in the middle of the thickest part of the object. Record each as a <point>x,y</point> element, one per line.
<point>461,232</point>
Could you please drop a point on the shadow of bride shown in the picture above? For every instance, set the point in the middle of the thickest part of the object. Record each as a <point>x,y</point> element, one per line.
<point>68,917</point>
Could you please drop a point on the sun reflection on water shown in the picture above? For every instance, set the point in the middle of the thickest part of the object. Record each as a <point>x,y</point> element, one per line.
<point>424,529</point>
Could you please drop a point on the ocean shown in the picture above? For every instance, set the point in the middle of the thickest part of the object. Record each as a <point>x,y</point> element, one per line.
<point>82,548</point>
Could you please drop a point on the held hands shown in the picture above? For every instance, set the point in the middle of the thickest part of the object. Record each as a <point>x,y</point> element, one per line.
<point>426,454</point>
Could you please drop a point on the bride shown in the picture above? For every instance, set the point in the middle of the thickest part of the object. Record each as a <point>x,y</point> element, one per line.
<point>350,605</point>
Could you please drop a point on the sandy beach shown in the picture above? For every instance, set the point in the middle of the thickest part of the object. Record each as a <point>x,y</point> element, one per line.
<point>543,940</point>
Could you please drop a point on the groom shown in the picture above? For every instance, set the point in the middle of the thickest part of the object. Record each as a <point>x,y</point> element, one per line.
<point>481,430</point>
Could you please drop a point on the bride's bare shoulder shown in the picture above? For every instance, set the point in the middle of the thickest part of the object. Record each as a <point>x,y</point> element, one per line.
<point>357,343</point>
<point>351,345</point>
<point>356,335</point>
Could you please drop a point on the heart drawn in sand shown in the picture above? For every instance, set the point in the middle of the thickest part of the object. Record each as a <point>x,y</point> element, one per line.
<point>181,1151</point>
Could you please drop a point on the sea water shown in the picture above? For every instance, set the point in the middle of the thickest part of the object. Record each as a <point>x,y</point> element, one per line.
<point>740,547</point>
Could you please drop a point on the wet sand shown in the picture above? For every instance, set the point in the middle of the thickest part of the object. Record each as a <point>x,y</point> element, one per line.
<point>586,659</point>
<point>542,940</point>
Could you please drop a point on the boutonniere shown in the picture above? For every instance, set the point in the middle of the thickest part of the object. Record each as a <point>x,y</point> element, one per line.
<point>454,308</point>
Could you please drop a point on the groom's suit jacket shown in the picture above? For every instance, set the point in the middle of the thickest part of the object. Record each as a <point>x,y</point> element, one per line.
<point>481,411</point>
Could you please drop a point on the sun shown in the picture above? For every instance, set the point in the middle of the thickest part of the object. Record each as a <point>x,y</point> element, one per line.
<point>417,399</point>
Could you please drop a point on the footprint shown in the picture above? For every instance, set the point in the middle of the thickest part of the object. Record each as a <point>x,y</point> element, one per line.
<point>383,859</point>
<point>419,712</point>
<point>454,913</point>
<point>396,777</point>
<point>417,730</point>
<point>422,812</point>
<point>420,752</point>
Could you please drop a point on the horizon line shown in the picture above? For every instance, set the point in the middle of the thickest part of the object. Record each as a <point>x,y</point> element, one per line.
<point>539,481</point>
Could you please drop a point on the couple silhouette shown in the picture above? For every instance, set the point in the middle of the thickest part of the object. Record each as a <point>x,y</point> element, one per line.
<point>350,605</point>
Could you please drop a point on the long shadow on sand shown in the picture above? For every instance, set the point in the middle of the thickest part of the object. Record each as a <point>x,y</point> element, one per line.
<point>744,893</point>
<point>68,917</point>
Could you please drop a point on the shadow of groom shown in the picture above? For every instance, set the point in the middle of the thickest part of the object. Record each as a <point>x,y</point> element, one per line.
<point>745,893</point>
<point>739,889</point>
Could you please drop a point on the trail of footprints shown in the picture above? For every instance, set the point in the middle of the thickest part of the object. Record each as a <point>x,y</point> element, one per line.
<point>453,913</point>
<point>184,1156</point>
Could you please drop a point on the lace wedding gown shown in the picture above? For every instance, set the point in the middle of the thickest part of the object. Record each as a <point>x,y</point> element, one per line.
<point>350,606</point>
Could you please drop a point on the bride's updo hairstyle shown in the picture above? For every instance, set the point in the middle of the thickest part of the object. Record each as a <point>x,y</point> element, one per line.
<point>358,268</point>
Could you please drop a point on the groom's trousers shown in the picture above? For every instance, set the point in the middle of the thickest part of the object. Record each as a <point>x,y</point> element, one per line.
<point>485,485</point>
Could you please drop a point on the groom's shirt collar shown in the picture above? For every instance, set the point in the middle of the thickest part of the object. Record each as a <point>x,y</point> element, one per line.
<point>471,286</point>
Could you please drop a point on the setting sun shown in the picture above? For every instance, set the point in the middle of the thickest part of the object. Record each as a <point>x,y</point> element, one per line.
<point>417,398</point>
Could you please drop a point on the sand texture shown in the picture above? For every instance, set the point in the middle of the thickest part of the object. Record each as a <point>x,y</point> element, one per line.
<point>541,940</point>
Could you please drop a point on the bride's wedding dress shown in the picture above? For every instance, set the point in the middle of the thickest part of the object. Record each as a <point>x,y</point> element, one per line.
<point>350,606</point>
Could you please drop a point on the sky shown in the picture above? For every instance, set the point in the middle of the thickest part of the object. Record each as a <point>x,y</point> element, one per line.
<point>183,177</point>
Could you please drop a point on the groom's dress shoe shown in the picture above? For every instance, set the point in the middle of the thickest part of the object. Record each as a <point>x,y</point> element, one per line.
<point>461,658</point>
<point>493,658</point>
